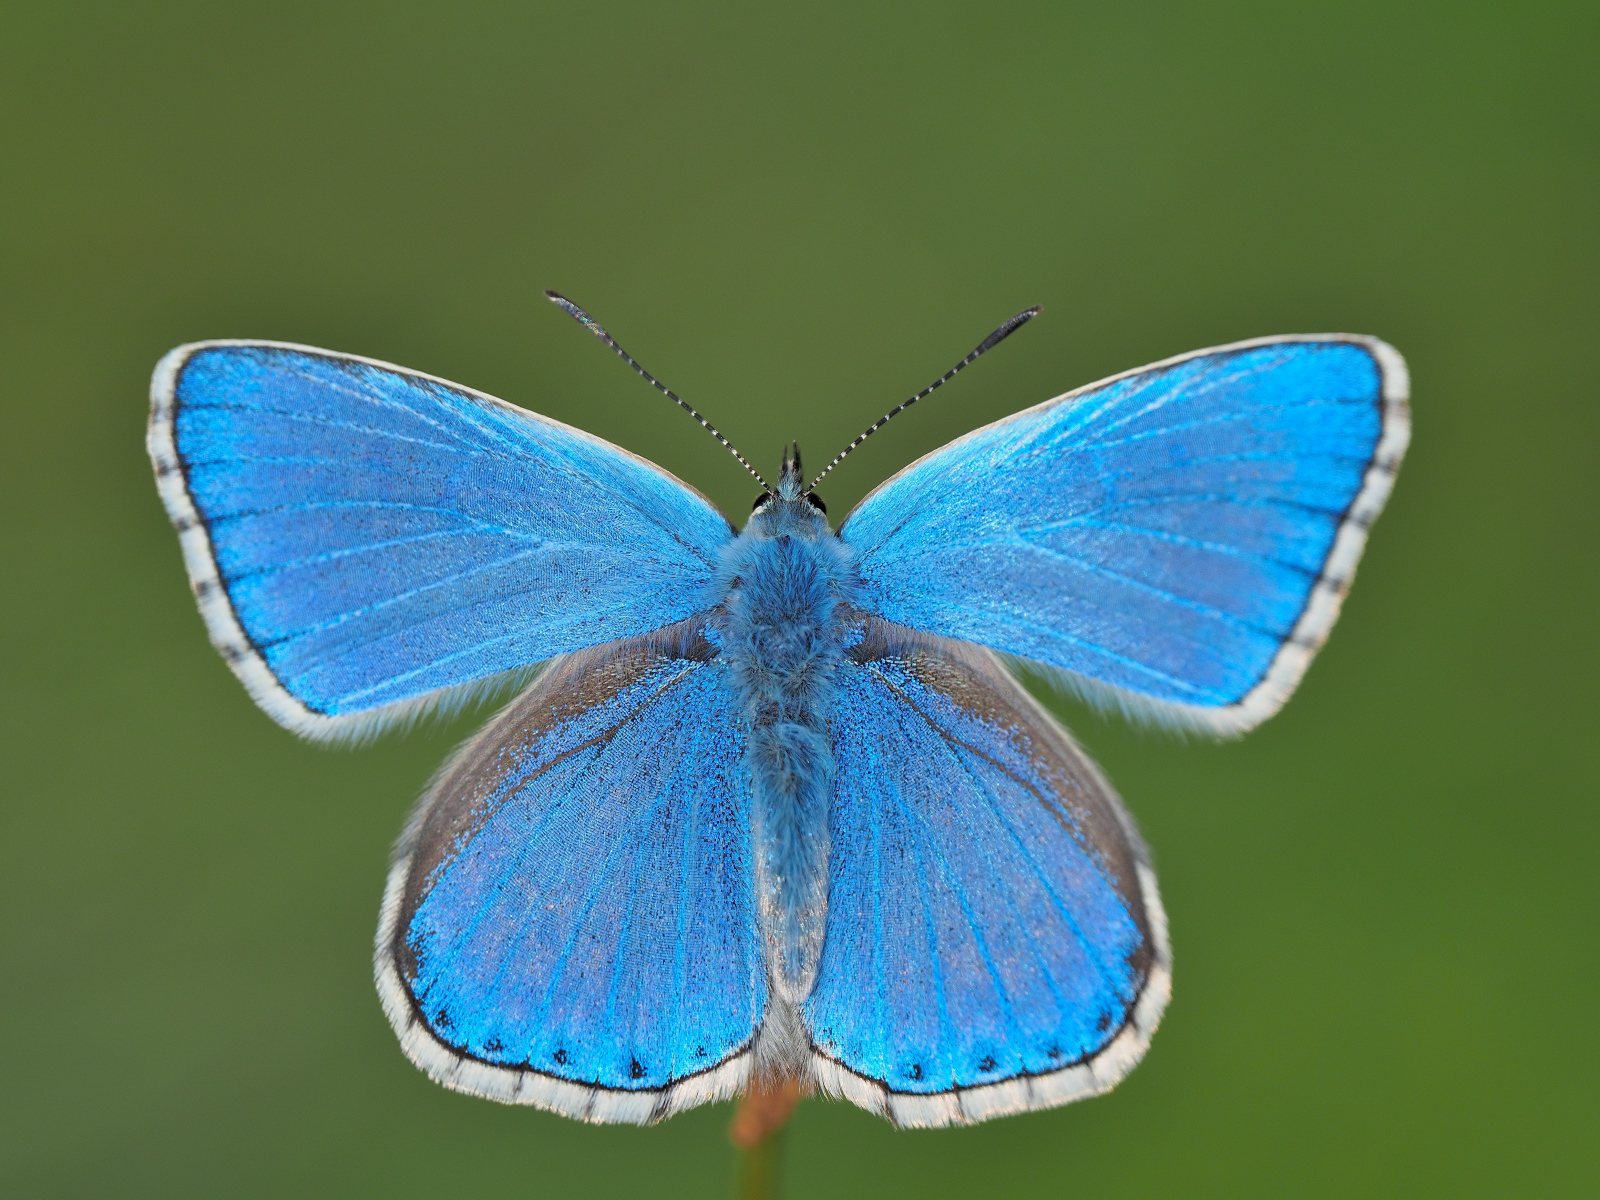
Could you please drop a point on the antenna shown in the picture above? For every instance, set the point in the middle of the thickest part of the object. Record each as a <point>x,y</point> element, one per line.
<point>593,326</point>
<point>988,343</point>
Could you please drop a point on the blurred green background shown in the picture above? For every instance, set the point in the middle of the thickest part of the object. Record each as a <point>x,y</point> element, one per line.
<point>1383,902</point>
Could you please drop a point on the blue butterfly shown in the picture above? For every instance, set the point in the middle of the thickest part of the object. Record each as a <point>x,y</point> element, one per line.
<point>775,806</point>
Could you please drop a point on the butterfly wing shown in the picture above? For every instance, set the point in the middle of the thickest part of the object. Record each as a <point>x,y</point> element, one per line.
<point>361,537</point>
<point>569,918</point>
<point>1182,535</point>
<point>995,939</point>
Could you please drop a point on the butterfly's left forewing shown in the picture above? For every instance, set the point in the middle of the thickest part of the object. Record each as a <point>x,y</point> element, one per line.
<point>996,941</point>
<point>569,918</point>
<point>363,539</point>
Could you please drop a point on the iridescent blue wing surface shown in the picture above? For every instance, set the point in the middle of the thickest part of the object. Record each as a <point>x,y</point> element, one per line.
<point>362,538</point>
<point>569,917</point>
<point>996,942</point>
<point>1179,538</point>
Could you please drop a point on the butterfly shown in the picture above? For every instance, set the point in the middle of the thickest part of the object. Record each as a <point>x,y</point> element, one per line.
<point>771,803</point>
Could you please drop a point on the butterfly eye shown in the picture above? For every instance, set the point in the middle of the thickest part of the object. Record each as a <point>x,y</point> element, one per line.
<point>816,503</point>
<point>760,500</point>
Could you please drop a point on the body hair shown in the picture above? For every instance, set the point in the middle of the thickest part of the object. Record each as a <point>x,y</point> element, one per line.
<point>784,579</point>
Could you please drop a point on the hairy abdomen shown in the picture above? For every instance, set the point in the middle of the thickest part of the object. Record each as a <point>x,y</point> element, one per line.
<point>781,637</point>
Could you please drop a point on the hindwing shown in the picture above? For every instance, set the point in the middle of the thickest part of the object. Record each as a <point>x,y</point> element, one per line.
<point>569,918</point>
<point>996,941</point>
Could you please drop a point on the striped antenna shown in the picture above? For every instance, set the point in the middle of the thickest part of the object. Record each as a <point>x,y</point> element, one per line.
<point>988,343</point>
<point>593,326</point>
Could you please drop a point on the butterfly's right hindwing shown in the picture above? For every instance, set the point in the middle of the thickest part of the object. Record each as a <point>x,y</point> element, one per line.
<point>996,942</point>
<point>569,918</point>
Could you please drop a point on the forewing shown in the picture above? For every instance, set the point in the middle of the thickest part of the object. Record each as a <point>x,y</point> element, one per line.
<point>568,921</point>
<point>995,939</point>
<point>1183,534</point>
<point>361,537</point>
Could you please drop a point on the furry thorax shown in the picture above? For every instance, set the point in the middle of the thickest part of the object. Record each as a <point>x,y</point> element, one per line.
<point>785,580</point>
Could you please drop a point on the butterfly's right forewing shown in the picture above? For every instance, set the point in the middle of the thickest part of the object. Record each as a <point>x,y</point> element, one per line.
<point>1177,539</point>
<point>569,919</point>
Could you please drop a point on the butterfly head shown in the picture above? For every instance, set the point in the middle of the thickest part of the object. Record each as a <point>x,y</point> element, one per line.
<point>788,507</point>
<point>791,487</point>
<point>791,482</point>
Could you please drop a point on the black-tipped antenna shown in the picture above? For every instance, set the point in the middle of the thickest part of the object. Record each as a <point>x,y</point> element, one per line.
<point>593,326</point>
<point>988,343</point>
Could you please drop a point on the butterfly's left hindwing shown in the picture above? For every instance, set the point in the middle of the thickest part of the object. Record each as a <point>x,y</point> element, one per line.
<point>362,538</point>
<point>569,918</point>
<point>995,940</point>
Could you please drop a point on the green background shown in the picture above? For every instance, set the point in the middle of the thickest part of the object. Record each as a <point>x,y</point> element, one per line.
<point>1383,902</point>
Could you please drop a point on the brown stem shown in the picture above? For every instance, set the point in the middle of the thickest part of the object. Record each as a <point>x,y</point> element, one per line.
<point>757,1129</point>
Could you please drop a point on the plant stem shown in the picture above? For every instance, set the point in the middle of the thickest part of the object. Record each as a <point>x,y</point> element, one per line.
<point>758,1168</point>
<point>758,1130</point>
